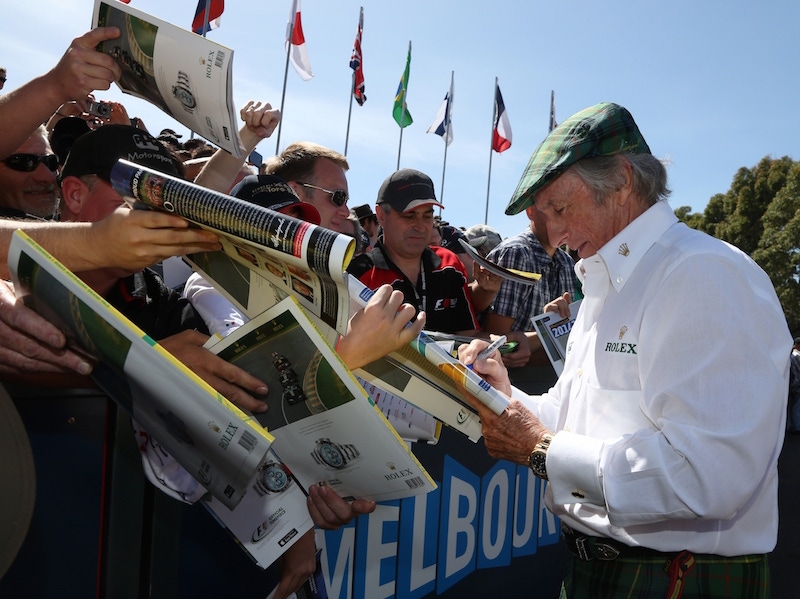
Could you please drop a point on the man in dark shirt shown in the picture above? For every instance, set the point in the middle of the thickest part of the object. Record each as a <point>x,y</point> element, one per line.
<point>432,279</point>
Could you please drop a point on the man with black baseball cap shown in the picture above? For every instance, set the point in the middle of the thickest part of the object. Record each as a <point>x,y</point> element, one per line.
<point>431,278</point>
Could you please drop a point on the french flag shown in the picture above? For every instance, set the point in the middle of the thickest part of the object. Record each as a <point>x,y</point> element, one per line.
<point>501,135</point>
<point>207,16</point>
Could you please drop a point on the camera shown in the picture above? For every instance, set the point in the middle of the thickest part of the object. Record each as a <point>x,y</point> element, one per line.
<point>100,109</point>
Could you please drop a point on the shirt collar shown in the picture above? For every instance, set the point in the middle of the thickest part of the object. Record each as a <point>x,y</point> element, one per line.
<point>624,251</point>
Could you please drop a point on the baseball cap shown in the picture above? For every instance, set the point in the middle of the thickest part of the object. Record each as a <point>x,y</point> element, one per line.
<point>406,190</point>
<point>274,193</point>
<point>483,238</point>
<point>450,236</point>
<point>604,129</point>
<point>96,152</point>
<point>64,134</point>
<point>170,132</point>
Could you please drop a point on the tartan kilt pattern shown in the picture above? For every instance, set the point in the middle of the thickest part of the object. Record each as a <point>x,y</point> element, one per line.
<point>712,577</point>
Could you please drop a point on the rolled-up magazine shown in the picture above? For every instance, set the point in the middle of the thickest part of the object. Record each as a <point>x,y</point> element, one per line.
<point>302,259</point>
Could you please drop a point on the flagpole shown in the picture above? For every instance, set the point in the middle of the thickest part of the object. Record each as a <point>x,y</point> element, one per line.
<point>353,84</point>
<point>349,112</point>
<point>285,77</point>
<point>205,30</point>
<point>491,138</point>
<point>403,112</point>
<point>446,137</point>
<point>205,17</point>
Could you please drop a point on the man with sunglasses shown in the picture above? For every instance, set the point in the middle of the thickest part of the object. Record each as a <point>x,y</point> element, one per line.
<point>28,179</point>
<point>317,175</point>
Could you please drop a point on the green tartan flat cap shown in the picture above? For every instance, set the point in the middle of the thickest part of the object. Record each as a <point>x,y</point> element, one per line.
<point>601,130</point>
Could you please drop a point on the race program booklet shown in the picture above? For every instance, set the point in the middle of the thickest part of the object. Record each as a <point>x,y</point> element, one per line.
<point>216,442</point>
<point>186,75</point>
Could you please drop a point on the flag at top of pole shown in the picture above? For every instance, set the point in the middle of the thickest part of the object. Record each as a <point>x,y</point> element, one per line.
<point>357,65</point>
<point>296,43</point>
<point>400,110</point>
<point>501,134</point>
<point>443,125</point>
<point>207,16</point>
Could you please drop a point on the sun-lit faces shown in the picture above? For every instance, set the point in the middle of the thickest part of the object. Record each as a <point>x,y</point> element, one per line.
<point>327,175</point>
<point>88,199</point>
<point>574,218</point>
<point>33,192</point>
<point>406,234</point>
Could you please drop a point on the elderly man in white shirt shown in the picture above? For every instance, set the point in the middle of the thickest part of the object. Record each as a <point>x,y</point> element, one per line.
<point>660,439</point>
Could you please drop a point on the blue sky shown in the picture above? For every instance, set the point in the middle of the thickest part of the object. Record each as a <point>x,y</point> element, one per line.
<point>712,84</point>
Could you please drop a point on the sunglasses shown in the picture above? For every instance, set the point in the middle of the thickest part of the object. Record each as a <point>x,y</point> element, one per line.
<point>338,197</point>
<point>27,163</point>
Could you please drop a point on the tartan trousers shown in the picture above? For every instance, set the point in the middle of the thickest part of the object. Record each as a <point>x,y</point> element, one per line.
<point>686,576</point>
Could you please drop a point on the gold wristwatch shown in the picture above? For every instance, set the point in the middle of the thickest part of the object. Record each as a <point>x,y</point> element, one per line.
<point>537,461</point>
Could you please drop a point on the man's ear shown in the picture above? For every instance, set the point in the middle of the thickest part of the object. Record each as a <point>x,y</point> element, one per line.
<point>298,189</point>
<point>380,214</point>
<point>624,193</point>
<point>73,195</point>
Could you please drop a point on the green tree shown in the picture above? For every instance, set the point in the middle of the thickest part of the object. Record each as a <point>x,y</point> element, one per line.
<point>760,214</point>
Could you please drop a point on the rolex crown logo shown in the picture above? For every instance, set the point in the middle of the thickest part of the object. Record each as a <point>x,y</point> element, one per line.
<point>623,250</point>
<point>622,330</point>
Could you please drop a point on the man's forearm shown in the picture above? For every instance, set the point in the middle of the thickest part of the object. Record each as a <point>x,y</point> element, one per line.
<point>24,109</point>
<point>69,242</point>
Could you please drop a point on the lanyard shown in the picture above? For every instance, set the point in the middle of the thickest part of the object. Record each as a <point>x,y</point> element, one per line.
<point>421,299</point>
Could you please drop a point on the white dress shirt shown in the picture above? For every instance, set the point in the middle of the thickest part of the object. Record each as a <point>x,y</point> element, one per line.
<point>671,409</point>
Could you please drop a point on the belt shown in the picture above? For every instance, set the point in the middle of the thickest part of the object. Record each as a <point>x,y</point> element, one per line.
<point>588,548</point>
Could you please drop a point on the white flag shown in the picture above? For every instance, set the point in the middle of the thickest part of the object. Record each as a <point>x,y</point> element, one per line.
<point>296,43</point>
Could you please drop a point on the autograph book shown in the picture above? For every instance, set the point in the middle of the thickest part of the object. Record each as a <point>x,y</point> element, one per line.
<point>186,75</point>
<point>216,442</point>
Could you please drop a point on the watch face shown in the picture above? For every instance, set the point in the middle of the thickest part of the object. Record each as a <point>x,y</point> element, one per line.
<point>331,455</point>
<point>274,477</point>
<point>538,464</point>
<point>184,96</point>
